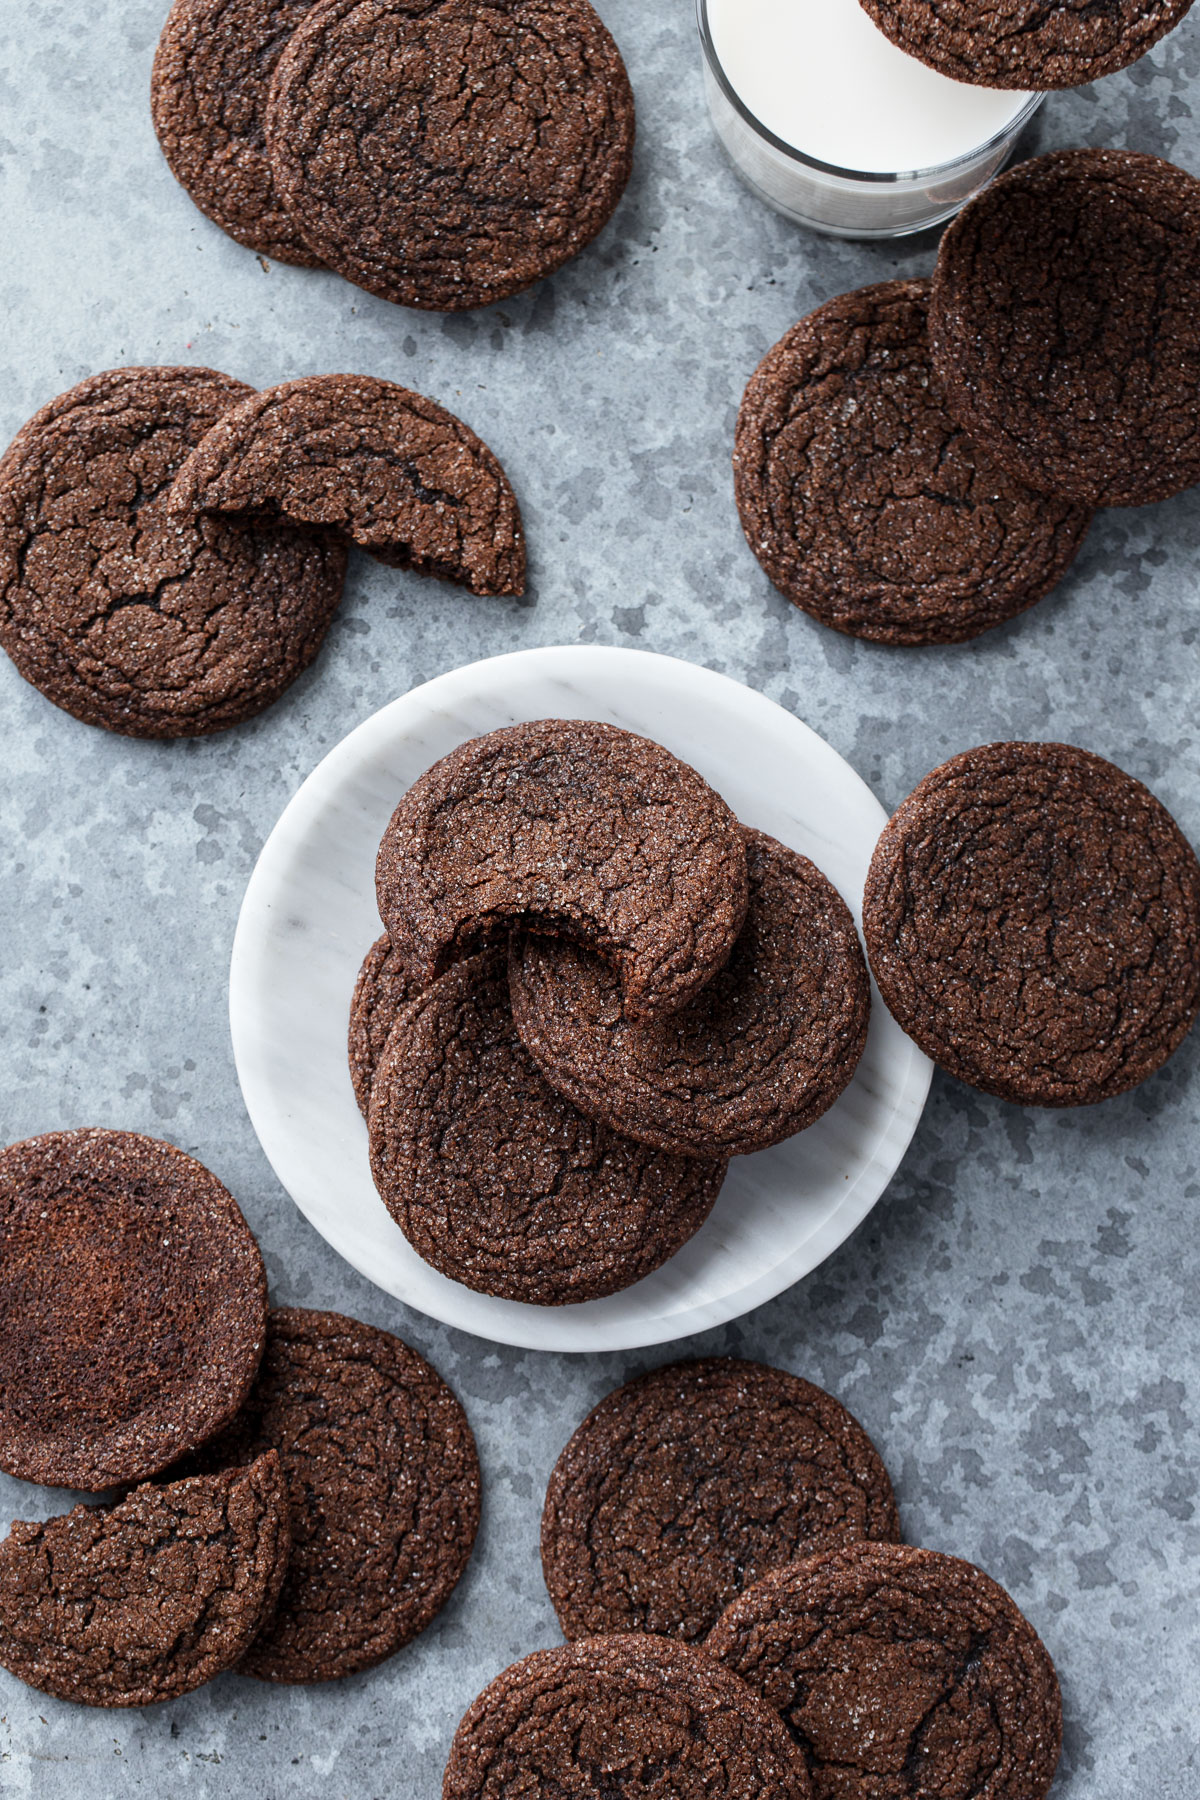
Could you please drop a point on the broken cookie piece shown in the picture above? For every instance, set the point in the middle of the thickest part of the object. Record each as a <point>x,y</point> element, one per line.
<point>395,472</point>
<point>126,1605</point>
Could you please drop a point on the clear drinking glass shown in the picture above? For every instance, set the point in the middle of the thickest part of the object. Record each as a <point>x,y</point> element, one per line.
<point>845,202</point>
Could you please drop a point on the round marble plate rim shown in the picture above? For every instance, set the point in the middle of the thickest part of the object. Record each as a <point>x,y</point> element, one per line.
<point>637,1317</point>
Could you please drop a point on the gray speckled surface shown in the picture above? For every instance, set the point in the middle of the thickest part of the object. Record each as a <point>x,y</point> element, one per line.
<point>1017,1324</point>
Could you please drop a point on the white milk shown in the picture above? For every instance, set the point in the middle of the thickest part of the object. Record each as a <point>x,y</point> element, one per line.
<point>821,75</point>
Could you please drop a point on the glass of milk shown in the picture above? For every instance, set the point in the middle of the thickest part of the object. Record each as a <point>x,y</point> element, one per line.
<point>836,128</point>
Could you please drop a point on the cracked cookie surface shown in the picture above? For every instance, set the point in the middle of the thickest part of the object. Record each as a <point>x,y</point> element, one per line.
<point>863,500</point>
<point>447,153</point>
<point>499,1182</point>
<point>761,1052</point>
<point>622,1716</point>
<point>382,1479</point>
<point>901,1674</point>
<point>1064,325</point>
<point>576,829</point>
<point>1038,44</point>
<point>146,1600</point>
<point>690,1483</point>
<point>1032,918</point>
<point>132,1310</point>
<point>208,100</point>
<point>397,473</point>
<point>383,989</point>
<point>131,620</point>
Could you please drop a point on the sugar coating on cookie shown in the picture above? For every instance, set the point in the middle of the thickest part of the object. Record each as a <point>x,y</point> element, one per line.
<point>688,1484</point>
<point>499,1182</point>
<point>208,101</point>
<point>761,1052</point>
<point>1064,325</point>
<point>141,623</point>
<point>398,474</point>
<point>901,1672</point>
<point>572,828</point>
<point>1038,44</point>
<point>132,1310</point>
<point>146,1600</point>
<point>864,501</point>
<point>622,1717</point>
<point>1032,918</point>
<point>450,154</point>
<point>382,1478</point>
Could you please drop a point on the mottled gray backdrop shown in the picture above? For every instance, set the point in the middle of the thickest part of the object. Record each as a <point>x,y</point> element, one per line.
<point>1016,1324</point>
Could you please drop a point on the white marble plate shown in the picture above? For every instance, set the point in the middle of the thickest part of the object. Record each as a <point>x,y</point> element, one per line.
<point>309,917</point>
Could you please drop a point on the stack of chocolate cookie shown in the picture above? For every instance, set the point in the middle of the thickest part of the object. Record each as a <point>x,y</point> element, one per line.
<point>317,1487</point>
<point>173,544</point>
<point>443,155</point>
<point>919,461</point>
<point>721,1544</point>
<point>595,988</point>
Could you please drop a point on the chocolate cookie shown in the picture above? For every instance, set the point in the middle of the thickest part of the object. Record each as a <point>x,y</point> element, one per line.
<point>396,472</point>
<point>899,1672</point>
<point>1032,916</point>
<point>623,1718</point>
<point>208,98</point>
<point>574,829</point>
<point>863,500</point>
<point>126,1605</point>
<point>384,987</point>
<point>140,623</point>
<point>1037,44</point>
<point>497,1180</point>
<point>686,1485</point>
<point>449,153</point>
<point>760,1053</point>
<point>1065,325</point>
<point>132,1308</point>
<point>383,1484</point>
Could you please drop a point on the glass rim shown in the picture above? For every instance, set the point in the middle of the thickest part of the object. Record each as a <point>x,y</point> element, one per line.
<point>932,172</point>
